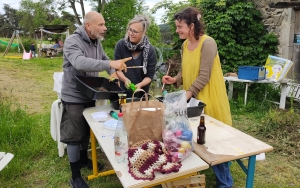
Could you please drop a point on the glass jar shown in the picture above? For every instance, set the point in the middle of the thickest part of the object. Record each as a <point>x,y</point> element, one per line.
<point>122,100</point>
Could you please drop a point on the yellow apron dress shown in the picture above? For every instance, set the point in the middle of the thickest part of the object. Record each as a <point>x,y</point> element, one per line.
<point>213,93</point>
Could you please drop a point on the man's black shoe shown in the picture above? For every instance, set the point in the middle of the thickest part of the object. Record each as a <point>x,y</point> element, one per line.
<point>78,183</point>
<point>89,165</point>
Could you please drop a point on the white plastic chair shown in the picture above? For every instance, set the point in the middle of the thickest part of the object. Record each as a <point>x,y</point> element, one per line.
<point>56,112</point>
<point>294,91</point>
<point>5,158</point>
<point>57,77</point>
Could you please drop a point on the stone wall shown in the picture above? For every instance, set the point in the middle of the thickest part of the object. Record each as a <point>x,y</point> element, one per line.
<point>282,22</point>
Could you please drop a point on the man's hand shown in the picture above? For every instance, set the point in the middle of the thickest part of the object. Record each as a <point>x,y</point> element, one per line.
<point>113,77</point>
<point>120,64</point>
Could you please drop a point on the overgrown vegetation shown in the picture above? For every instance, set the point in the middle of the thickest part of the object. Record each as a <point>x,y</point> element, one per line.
<point>283,128</point>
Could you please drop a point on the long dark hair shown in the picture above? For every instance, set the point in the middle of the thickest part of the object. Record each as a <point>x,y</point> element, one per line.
<point>191,15</point>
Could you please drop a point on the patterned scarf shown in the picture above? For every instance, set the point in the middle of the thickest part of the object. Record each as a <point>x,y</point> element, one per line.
<point>144,45</point>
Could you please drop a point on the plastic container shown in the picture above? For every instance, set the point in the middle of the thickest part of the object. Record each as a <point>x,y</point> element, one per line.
<point>195,110</point>
<point>116,105</point>
<point>252,72</point>
<point>98,87</point>
<point>121,141</point>
<point>157,89</point>
<point>191,111</point>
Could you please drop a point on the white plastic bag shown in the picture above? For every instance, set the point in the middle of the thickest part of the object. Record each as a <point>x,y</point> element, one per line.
<point>177,133</point>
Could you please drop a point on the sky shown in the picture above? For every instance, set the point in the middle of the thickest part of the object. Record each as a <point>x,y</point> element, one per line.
<point>15,4</point>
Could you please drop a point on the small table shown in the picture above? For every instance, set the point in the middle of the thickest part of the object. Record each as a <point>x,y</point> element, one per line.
<point>283,83</point>
<point>225,143</point>
<point>190,165</point>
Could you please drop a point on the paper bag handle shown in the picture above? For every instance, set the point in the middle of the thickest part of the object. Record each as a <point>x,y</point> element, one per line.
<point>149,97</point>
<point>146,95</point>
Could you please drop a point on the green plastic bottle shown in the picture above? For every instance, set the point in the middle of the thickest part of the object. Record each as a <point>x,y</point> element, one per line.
<point>132,87</point>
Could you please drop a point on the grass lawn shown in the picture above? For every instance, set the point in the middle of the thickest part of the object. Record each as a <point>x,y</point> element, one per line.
<point>26,95</point>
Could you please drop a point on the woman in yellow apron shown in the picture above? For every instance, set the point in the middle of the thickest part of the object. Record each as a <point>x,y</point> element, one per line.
<point>201,76</point>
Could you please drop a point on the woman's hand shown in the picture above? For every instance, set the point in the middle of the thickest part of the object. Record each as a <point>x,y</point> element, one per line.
<point>189,95</point>
<point>127,83</point>
<point>138,86</point>
<point>168,79</point>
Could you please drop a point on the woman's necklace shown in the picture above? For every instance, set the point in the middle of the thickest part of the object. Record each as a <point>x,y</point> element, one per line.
<point>135,53</point>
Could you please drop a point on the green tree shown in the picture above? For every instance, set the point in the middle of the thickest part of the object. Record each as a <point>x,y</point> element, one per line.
<point>9,21</point>
<point>63,4</point>
<point>35,14</point>
<point>236,26</point>
<point>118,13</point>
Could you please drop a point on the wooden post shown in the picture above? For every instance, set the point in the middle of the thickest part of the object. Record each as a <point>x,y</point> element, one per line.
<point>40,48</point>
<point>9,44</point>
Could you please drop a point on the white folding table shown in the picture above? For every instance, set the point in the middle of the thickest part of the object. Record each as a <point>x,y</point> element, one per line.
<point>283,83</point>
<point>190,165</point>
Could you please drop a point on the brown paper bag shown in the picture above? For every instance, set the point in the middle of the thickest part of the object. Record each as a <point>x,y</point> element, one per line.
<point>143,119</point>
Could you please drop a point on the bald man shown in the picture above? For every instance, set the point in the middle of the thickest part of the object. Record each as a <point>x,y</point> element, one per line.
<point>83,56</point>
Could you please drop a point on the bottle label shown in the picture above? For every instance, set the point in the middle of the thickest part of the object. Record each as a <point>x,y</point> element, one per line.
<point>118,153</point>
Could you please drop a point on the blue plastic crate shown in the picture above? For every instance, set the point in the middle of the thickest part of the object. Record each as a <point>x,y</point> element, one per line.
<point>252,72</point>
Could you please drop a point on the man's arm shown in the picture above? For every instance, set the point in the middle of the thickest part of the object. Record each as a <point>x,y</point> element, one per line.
<point>75,54</point>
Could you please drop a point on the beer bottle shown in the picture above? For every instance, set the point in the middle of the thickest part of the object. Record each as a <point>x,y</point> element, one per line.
<point>201,131</point>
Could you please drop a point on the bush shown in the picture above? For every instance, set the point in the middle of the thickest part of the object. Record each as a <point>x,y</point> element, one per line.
<point>237,27</point>
<point>15,49</point>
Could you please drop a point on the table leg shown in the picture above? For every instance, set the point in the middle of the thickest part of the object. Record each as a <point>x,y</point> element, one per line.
<point>230,89</point>
<point>246,93</point>
<point>251,171</point>
<point>94,160</point>
<point>94,154</point>
<point>283,94</point>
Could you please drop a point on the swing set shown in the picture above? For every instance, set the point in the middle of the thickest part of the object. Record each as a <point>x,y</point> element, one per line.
<point>9,44</point>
